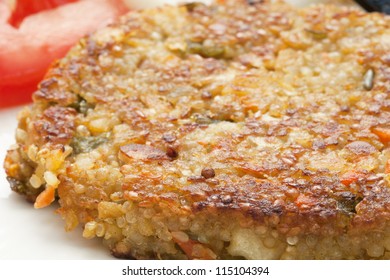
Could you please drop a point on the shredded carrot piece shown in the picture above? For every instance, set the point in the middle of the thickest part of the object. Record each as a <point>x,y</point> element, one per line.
<point>45,198</point>
<point>195,250</point>
<point>304,201</point>
<point>387,167</point>
<point>383,133</point>
<point>351,176</point>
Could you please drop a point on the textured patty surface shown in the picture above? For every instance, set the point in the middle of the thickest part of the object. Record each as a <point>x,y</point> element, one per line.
<point>236,130</point>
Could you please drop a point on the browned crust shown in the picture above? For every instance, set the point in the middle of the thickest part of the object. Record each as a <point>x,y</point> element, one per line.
<point>55,126</point>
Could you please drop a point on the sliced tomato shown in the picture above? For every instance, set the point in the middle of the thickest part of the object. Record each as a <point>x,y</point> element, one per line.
<point>23,9</point>
<point>27,51</point>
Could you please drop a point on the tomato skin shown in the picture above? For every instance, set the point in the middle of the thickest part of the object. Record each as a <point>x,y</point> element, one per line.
<point>16,94</point>
<point>27,52</point>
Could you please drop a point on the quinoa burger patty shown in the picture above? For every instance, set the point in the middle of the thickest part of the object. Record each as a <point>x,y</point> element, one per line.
<point>243,129</point>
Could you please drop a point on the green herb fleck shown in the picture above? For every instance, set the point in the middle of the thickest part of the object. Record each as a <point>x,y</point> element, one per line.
<point>206,49</point>
<point>317,35</point>
<point>87,144</point>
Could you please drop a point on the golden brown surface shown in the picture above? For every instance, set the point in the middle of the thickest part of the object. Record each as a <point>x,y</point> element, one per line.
<point>226,131</point>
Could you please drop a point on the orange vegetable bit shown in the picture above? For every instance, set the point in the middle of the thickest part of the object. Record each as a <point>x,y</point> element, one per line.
<point>383,133</point>
<point>305,202</point>
<point>352,176</point>
<point>387,167</point>
<point>45,198</point>
<point>195,250</point>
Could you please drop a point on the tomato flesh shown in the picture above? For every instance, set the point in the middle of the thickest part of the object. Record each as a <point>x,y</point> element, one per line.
<point>26,8</point>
